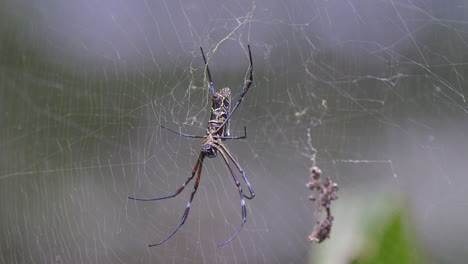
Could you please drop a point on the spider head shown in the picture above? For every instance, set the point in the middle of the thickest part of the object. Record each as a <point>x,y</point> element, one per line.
<point>209,151</point>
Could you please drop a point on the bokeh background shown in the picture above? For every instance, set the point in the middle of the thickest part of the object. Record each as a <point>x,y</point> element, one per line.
<point>85,86</point>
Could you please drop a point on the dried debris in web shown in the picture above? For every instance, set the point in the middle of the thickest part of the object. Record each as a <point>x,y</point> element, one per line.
<point>326,192</point>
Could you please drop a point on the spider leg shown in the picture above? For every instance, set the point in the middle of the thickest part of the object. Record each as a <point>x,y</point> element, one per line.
<point>196,168</point>
<point>187,209</point>
<point>181,134</point>
<point>236,137</point>
<point>212,87</point>
<point>252,193</point>
<point>241,194</point>
<point>247,85</point>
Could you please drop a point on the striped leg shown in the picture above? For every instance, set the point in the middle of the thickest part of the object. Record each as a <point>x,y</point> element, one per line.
<point>241,194</point>
<point>181,188</point>
<point>187,209</point>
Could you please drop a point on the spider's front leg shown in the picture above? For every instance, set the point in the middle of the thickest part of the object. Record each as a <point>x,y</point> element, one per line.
<point>187,208</point>
<point>196,168</point>
<point>241,194</point>
<point>244,176</point>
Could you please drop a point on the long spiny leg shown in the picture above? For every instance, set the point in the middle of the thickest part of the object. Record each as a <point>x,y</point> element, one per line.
<point>182,134</point>
<point>196,168</point>
<point>187,209</point>
<point>241,194</point>
<point>252,193</point>
<point>212,87</point>
<point>247,85</point>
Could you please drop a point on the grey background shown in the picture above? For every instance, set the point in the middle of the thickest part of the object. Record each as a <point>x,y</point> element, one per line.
<point>84,86</point>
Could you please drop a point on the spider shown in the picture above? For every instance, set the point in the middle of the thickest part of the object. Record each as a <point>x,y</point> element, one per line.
<point>218,129</point>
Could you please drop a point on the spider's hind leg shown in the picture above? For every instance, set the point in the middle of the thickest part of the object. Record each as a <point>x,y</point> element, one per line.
<point>212,87</point>
<point>182,134</point>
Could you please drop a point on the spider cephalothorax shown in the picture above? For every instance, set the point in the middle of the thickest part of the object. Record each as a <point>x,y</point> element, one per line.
<point>217,131</point>
<point>209,148</point>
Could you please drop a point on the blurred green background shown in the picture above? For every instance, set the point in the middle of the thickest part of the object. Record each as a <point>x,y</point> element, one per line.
<point>84,86</point>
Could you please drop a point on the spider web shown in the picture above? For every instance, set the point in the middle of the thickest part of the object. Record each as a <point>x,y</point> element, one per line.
<point>85,86</point>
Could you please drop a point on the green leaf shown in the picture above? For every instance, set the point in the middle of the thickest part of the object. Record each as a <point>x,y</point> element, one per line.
<point>369,230</point>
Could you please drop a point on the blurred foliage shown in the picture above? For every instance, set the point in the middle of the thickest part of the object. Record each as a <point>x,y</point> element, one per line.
<point>374,229</point>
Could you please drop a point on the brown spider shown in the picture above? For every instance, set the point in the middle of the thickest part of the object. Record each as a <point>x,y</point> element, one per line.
<point>218,130</point>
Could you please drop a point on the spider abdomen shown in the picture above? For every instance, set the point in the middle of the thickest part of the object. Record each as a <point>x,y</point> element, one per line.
<point>220,110</point>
